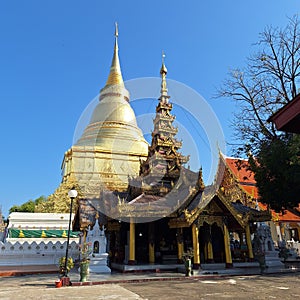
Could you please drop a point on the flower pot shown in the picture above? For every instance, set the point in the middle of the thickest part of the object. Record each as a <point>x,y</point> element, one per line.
<point>84,271</point>
<point>65,281</point>
<point>188,267</point>
<point>58,283</point>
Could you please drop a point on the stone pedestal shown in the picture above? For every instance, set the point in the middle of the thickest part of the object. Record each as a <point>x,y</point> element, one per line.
<point>98,264</point>
<point>272,259</point>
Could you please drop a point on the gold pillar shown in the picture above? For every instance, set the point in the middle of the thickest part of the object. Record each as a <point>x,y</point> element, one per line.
<point>131,243</point>
<point>180,244</point>
<point>227,247</point>
<point>195,233</point>
<point>151,253</point>
<point>180,251</point>
<point>249,244</point>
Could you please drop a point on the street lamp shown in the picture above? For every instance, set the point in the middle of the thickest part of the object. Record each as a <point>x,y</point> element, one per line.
<point>72,194</point>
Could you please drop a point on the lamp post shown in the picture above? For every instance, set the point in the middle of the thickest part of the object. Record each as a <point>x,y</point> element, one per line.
<point>72,194</point>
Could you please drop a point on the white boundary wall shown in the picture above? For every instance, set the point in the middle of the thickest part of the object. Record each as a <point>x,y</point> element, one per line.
<point>16,252</point>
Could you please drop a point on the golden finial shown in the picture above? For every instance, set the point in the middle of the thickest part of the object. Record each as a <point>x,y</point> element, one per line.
<point>115,75</point>
<point>116,30</point>
<point>163,72</point>
<point>163,66</point>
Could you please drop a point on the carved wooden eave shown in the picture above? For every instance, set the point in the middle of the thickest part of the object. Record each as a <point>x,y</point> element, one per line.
<point>231,187</point>
<point>238,216</point>
<point>250,214</point>
<point>187,218</point>
<point>210,220</point>
<point>169,205</point>
<point>234,188</point>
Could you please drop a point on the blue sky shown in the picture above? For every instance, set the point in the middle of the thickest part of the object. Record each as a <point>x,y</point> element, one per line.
<point>55,57</point>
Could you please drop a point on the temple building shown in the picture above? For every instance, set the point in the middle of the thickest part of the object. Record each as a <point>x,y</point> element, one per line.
<point>153,208</point>
<point>167,211</point>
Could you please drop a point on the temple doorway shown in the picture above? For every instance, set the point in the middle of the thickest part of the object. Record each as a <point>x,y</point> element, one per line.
<point>218,244</point>
<point>141,246</point>
<point>211,244</point>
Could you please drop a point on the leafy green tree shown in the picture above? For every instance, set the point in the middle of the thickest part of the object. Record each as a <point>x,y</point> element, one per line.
<point>25,207</point>
<point>28,206</point>
<point>277,171</point>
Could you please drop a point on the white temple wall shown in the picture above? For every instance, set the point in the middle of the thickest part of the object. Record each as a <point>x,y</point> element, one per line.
<point>43,252</point>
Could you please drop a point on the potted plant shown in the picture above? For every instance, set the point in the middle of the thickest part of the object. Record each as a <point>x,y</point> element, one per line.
<point>62,263</point>
<point>63,279</point>
<point>84,263</point>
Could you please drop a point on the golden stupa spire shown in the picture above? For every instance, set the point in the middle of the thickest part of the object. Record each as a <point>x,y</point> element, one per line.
<point>163,72</point>
<point>115,75</point>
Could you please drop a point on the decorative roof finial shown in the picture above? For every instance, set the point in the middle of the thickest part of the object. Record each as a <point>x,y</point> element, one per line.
<point>163,57</point>
<point>116,30</point>
<point>163,72</point>
<point>115,75</point>
<point>163,67</point>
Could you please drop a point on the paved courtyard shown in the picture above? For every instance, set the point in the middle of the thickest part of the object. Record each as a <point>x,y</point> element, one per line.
<point>281,286</point>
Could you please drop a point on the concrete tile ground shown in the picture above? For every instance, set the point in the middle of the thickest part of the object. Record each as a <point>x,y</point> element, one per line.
<point>38,282</point>
<point>271,286</point>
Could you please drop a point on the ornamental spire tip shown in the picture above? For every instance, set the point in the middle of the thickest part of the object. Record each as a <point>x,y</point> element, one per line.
<point>115,75</point>
<point>116,30</point>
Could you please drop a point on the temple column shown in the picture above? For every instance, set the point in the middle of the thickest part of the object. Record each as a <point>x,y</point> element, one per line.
<point>195,234</point>
<point>249,243</point>
<point>151,253</point>
<point>131,260</point>
<point>228,257</point>
<point>151,243</point>
<point>180,246</point>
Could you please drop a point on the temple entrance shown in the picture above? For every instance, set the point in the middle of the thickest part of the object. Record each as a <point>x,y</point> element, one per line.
<point>165,243</point>
<point>141,246</point>
<point>158,238</point>
<point>218,244</point>
<point>211,244</point>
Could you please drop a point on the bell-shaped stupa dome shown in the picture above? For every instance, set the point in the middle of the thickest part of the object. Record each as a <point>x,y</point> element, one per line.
<point>113,125</point>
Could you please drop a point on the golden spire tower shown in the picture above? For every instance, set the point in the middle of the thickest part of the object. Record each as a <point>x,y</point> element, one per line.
<point>112,145</point>
<point>163,156</point>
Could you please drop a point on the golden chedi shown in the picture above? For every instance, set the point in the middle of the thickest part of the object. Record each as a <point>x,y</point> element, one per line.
<point>112,145</point>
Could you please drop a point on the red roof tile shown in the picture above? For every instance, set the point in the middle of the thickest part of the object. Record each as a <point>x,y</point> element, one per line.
<point>239,168</point>
<point>250,190</point>
<point>247,182</point>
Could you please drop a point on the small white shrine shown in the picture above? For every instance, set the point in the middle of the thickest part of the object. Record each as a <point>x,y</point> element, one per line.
<point>99,256</point>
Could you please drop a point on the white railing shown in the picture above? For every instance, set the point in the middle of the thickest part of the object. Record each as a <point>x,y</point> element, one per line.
<point>44,252</point>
